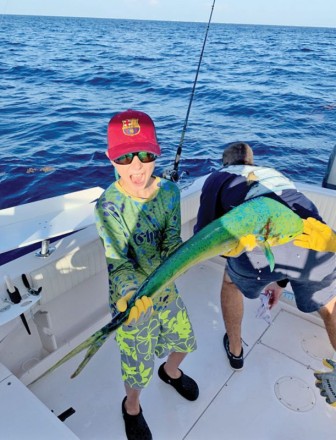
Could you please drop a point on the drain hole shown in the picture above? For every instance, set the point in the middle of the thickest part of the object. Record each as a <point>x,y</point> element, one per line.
<point>65,414</point>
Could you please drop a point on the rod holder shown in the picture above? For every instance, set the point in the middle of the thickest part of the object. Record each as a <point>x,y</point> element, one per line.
<point>46,250</point>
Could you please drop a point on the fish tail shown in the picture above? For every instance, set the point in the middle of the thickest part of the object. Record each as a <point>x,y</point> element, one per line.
<point>92,344</point>
<point>91,351</point>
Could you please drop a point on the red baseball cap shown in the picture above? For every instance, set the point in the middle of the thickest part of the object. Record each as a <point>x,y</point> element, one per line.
<point>130,132</point>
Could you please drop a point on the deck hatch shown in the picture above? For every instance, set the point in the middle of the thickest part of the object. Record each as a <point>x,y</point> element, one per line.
<point>294,393</point>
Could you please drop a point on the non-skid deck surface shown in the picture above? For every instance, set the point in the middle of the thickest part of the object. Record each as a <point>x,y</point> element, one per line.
<point>232,405</point>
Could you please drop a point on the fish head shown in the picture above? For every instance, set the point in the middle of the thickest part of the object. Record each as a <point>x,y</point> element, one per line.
<point>275,224</point>
<point>281,225</point>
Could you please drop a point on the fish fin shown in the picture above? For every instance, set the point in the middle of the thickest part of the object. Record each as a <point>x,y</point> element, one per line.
<point>269,254</point>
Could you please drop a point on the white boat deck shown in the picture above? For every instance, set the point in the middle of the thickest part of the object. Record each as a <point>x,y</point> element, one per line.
<point>274,397</point>
<point>280,358</point>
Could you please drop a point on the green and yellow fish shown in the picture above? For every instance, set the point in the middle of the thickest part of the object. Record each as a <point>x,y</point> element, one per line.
<point>261,222</point>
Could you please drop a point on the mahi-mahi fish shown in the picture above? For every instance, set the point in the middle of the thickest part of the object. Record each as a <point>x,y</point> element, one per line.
<point>262,222</point>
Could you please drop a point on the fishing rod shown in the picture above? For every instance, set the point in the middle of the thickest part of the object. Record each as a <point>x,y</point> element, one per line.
<point>172,174</point>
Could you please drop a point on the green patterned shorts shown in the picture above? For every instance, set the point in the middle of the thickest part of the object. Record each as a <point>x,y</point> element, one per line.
<point>167,331</point>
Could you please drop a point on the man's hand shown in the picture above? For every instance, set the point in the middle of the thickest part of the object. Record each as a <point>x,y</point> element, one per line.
<point>246,243</point>
<point>274,292</point>
<point>140,312</point>
<point>326,382</point>
<point>316,236</point>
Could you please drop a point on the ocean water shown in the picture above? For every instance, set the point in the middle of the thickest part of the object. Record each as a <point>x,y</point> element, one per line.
<point>63,78</point>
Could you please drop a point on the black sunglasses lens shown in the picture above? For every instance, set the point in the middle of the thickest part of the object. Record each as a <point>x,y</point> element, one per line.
<point>146,157</point>
<point>143,156</point>
<point>126,159</point>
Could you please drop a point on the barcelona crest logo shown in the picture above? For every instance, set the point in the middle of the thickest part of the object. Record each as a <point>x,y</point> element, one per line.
<point>130,127</point>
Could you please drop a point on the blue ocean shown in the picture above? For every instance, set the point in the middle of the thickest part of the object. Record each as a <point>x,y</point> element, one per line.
<point>63,78</point>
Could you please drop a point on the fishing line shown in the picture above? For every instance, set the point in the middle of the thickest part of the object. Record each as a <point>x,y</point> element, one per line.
<point>172,174</point>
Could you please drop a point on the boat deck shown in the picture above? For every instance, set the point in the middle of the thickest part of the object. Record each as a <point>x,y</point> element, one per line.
<point>274,397</point>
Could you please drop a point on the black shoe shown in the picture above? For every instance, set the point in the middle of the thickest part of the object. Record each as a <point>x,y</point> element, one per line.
<point>135,426</point>
<point>236,362</point>
<point>184,385</point>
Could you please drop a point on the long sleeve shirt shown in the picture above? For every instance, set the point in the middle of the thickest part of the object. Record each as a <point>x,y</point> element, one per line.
<point>233,185</point>
<point>138,234</point>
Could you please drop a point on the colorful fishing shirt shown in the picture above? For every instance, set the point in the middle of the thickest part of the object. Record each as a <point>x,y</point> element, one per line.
<point>234,184</point>
<point>138,234</point>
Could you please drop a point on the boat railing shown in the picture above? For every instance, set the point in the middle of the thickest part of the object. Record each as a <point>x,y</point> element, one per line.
<point>37,222</point>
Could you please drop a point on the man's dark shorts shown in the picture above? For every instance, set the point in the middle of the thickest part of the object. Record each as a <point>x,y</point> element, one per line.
<point>312,275</point>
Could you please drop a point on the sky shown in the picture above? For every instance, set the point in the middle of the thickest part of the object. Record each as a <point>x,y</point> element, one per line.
<point>321,13</point>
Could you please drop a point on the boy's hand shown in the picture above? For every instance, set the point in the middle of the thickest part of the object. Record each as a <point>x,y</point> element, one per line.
<point>326,382</point>
<point>316,236</point>
<point>140,312</point>
<point>246,243</point>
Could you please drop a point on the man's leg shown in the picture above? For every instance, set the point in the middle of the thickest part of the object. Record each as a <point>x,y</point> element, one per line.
<point>328,314</point>
<point>232,310</point>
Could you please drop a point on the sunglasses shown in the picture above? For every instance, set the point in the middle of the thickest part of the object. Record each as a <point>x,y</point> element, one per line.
<point>143,156</point>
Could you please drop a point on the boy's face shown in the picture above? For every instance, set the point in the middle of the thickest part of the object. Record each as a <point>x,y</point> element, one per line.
<point>135,176</point>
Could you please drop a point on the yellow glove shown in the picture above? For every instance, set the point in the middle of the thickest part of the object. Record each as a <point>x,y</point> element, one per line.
<point>140,312</point>
<point>326,382</point>
<point>246,243</point>
<point>316,236</point>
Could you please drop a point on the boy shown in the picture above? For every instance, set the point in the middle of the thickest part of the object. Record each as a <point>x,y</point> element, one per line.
<point>139,222</point>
